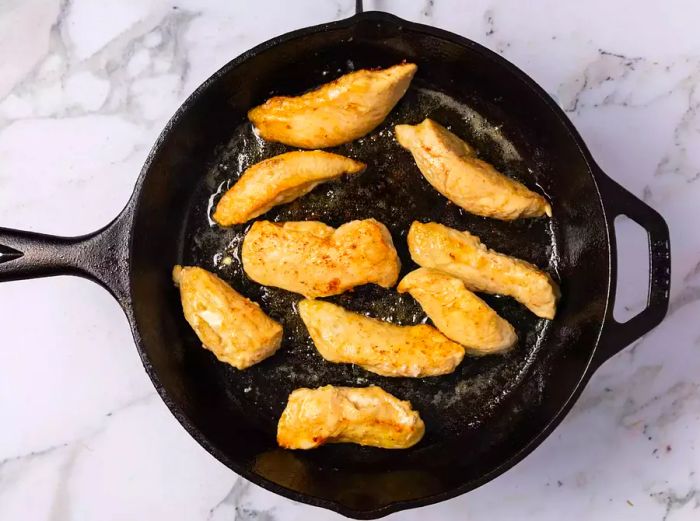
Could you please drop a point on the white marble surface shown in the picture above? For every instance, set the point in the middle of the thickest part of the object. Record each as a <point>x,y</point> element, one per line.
<point>85,87</point>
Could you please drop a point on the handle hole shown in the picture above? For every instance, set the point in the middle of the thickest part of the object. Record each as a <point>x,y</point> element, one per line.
<point>632,291</point>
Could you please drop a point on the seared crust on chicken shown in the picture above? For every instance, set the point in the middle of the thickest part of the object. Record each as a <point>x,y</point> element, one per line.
<point>280,180</point>
<point>229,325</point>
<point>462,255</point>
<point>458,313</point>
<point>317,260</point>
<point>377,346</point>
<point>335,113</point>
<point>363,415</point>
<point>451,166</point>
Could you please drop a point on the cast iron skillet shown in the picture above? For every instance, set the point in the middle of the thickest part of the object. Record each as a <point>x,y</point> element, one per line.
<point>481,420</point>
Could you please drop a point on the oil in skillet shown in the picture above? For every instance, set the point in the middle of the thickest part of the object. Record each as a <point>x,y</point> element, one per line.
<point>394,192</point>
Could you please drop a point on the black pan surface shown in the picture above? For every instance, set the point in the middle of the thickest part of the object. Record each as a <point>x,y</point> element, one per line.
<point>477,418</point>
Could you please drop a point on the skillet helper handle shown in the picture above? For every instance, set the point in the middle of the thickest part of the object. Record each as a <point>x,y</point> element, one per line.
<point>101,256</point>
<point>618,201</point>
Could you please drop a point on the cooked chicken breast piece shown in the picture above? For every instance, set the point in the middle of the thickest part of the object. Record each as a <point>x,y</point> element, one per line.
<point>280,180</point>
<point>387,349</point>
<point>458,313</point>
<point>229,325</point>
<point>317,260</point>
<point>451,166</point>
<point>462,255</point>
<point>336,112</point>
<point>363,415</point>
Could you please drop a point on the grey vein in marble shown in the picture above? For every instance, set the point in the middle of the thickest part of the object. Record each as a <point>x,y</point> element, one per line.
<point>235,499</point>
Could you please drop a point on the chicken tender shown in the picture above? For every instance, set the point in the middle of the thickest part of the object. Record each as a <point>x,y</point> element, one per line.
<point>336,112</point>
<point>458,313</point>
<point>377,346</point>
<point>316,260</point>
<point>280,180</point>
<point>451,166</point>
<point>462,255</point>
<point>363,415</point>
<point>229,325</point>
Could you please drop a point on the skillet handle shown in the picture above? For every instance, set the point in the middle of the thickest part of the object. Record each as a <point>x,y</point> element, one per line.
<point>618,201</point>
<point>102,256</point>
<point>358,7</point>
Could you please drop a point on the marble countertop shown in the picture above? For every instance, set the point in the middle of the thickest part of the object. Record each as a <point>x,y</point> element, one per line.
<point>85,88</point>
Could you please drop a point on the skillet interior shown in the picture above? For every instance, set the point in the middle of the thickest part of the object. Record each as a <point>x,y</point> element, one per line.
<point>479,418</point>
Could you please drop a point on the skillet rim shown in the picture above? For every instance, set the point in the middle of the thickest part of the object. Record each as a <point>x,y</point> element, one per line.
<point>135,205</point>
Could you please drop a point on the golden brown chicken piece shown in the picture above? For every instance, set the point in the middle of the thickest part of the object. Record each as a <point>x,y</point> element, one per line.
<point>316,260</point>
<point>462,255</point>
<point>229,325</point>
<point>380,347</point>
<point>458,313</point>
<point>451,166</point>
<point>336,112</point>
<point>280,180</point>
<point>363,415</point>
